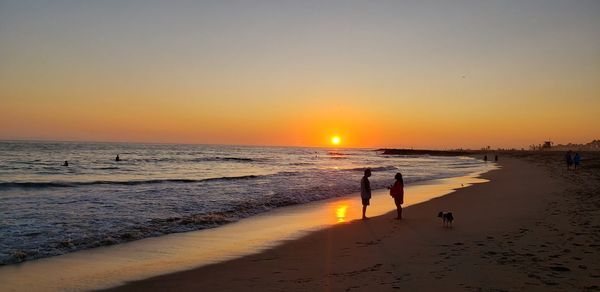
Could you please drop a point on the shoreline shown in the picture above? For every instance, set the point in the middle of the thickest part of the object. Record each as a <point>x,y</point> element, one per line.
<point>52,210</point>
<point>521,231</point>
<point>111,266</point>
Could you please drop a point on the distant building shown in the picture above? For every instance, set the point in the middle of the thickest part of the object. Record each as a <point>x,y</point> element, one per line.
<point>547,145</point>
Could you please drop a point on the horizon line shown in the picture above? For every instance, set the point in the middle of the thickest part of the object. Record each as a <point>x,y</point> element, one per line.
<point>258,145</point>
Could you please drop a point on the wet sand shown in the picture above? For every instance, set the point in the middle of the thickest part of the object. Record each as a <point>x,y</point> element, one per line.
<point>534,227</point>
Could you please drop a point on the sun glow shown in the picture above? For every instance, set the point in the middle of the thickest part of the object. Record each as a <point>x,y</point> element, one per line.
<point>335,140</point>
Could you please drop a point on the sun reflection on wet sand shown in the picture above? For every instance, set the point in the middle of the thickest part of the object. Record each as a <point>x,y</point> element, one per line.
<point>340,213</point>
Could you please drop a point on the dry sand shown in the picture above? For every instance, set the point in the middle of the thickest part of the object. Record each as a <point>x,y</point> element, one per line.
<point>534,227</point>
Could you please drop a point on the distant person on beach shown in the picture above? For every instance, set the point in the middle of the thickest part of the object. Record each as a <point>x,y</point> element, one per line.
<point>117,158</point>
<point>66,163</point>
<point>576,160</point>
<point>569,159</point>
<point>485,158</point>
<point>496,158</point>
<point>397,192</point>
<point>365,192</point>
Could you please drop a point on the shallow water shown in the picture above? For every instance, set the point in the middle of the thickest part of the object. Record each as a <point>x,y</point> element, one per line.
<point>48,209</point>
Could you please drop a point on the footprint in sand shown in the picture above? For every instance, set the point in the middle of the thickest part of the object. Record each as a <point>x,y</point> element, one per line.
<point>560,269</point>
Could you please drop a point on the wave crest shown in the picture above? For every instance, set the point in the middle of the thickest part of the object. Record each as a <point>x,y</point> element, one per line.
<point>39,185</point>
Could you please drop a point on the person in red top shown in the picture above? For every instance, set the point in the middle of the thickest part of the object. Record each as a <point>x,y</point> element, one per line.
<point>397,192</point>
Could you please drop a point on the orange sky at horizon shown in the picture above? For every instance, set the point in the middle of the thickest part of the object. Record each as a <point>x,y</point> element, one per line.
<point>411,75</point>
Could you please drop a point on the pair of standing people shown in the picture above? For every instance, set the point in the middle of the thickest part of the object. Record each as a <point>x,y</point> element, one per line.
<point>572,160</point>
<point>396,191</point>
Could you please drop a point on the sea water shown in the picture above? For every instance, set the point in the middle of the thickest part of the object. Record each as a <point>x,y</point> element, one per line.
<point>49,209</point>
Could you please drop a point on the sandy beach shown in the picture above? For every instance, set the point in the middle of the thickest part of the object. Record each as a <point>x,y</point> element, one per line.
<point>535,226</point>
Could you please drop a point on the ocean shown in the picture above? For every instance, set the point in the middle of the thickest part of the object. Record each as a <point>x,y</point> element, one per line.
<point>48,209</point>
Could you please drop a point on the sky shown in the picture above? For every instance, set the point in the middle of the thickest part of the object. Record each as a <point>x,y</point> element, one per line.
<point>420,74</point>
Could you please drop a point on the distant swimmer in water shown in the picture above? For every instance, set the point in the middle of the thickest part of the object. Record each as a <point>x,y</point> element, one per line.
<point>66,163</point>
<point>117,158</point>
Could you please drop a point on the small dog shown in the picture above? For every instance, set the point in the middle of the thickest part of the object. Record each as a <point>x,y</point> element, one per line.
<point>447,218</point>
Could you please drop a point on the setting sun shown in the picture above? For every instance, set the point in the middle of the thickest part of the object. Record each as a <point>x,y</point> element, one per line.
<point>335,140</point>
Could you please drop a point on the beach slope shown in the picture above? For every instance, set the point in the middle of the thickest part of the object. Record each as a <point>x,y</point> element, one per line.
<point>517,232</point>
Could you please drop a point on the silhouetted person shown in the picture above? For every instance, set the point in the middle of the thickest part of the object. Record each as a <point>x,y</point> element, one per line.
<point>576,160</point>
<point>66,163</point>
<point>117,158</point>
<point>397,192</point>
<point>365,192</point>
<point>485,158</point>
<point>496,158</point>
<point>569,159</point>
